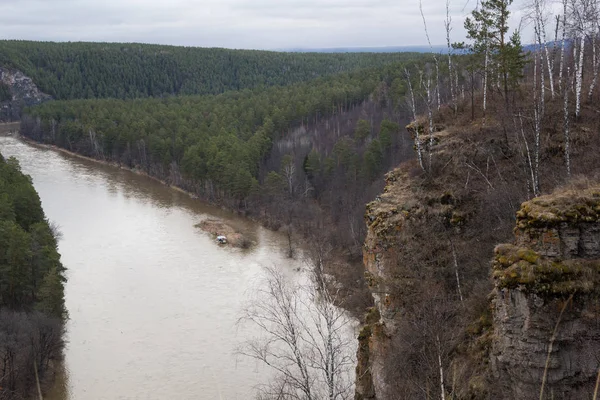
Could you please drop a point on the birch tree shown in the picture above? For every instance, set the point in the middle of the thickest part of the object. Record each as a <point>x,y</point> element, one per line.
<point>566,127</point>
<point>453,89</point>
<point>413,107</point>
<point>303,338</point>
<point>539,20</point>
<point>583,21</point>
<point>562,44</point>
<point>435,58</point>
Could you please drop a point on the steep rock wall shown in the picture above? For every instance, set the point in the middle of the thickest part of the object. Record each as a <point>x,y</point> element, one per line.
<point>400,270</point>
<point>546,308</point>
<point>421,234</point>
<point>18,91</point>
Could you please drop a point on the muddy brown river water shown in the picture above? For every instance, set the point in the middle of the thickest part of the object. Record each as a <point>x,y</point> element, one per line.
<point>153,301</point>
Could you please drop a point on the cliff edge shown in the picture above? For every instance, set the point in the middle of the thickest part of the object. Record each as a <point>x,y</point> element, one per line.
<point>546,309</point>
<point>16,92</point>
<point>450,321</point>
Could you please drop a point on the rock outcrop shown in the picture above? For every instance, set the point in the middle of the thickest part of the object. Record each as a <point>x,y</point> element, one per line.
<point>546,308</point>
<point>22,93</point>
<point>399,272</point>
<point>541,322</point>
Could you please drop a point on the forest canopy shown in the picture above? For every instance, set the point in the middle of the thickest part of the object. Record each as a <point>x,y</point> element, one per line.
<point>32,307</point>
<point>132,70</point>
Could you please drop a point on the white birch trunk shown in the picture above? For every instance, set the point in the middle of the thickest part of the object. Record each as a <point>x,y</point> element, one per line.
<point>595,68</point>
<point>566,129</point>
<point>539,54</point>
<point>528,152</point>
<point>450,74</point>
<point>536,118</point>
<point>455,258</point>
<point>485,77</point>
<point>437,83</point>
<point>542,41</point>
<point>579,77</point>
<point>562,45</point>
<point>536,187</point>
<point>550,69</point>
<point>414,111</point>
<point>442,390</point>
<point>435,59</point>
<point>430,117</point>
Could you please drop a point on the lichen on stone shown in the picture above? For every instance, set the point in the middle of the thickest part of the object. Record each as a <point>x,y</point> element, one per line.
<point>518,267</point>
<point>570,207</point>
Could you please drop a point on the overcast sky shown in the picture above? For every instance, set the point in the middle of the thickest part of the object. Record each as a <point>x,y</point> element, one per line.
<point>249,24</point>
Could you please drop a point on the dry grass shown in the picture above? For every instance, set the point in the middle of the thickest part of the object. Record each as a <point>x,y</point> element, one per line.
<point>218,227</point>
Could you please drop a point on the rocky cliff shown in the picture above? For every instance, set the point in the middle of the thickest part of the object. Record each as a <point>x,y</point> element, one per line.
<point>450,320</point>
<point>546,313</point>
<point>410,235</point>
<point>541,322</point>
<point>17,91</point>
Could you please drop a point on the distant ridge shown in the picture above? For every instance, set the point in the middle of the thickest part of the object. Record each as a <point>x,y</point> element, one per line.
<point>385,49</point>
<point>401,49</point>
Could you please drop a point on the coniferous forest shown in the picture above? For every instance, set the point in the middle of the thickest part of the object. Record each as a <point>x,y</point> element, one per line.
<point>31,287</point>
<point>128,71</point>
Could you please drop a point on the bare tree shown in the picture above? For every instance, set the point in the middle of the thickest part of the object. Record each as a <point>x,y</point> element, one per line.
<point>289,173</point>
<point>429,102</point>
<point>453,89</point>
<point>566,127</point>
<point>562,45</point>
<point>583,20</point>
<point>435,58</point>
<point>540,33</point>
<point>413,107</point>
<point>304,339</point>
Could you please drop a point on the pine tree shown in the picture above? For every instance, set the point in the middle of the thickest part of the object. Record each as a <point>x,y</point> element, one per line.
<point>488,28</point>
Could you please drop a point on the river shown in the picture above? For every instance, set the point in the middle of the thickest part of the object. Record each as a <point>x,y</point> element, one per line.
<point>153,301</point>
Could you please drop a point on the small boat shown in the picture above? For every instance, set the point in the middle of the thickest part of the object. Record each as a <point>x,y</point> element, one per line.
<point>221,239</point>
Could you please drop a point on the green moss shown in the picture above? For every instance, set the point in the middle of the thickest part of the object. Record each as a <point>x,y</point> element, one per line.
<point>372,315</point>
<point>571,207</point>
<point>528,255</point>
<point>483,323</point>
<point>365,333</point>
<point>535,274</point>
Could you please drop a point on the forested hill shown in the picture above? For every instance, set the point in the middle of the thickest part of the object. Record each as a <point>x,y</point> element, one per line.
<point>219,142</point>
<point>133,70</point>
<point>31,287</point>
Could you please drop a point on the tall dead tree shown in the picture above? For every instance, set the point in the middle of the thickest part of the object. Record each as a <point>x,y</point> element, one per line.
<point>435,58</point>
<point>540,29</point>
<point>453,88</point>
<point>582,20</point>
<point>413,107</point>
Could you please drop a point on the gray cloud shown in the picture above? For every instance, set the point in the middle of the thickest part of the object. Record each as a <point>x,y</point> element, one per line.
<point>262,24</point>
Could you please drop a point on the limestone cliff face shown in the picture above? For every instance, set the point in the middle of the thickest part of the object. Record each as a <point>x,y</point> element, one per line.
<point>547,279</point>
<point>383,221</point>
<point>23,93</point>
<point>394,275</point>
<point>546,312</point>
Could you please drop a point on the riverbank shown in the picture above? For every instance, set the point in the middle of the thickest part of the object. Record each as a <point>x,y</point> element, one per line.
<point>8,128</point>
<point>353,289</point>
<point>109,163</point>
<point>142,277</point>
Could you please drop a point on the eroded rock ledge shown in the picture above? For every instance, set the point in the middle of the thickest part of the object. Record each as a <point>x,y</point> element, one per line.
<point>546,308</point>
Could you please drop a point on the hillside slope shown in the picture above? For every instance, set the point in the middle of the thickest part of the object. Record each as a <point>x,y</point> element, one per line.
<point>132,70</point>
<point>430,239</point>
